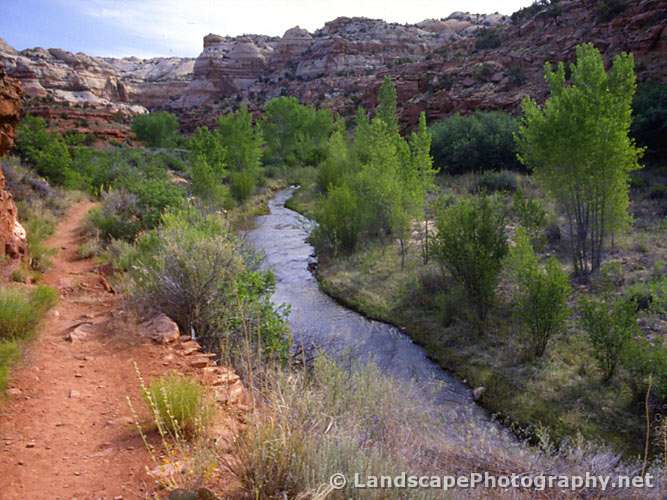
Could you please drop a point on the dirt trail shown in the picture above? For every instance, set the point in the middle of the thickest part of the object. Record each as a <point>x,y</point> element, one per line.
<point>66,432</point>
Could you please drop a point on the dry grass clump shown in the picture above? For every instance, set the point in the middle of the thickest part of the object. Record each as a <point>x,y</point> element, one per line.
<point>313,424</point>
<point>178,403</point>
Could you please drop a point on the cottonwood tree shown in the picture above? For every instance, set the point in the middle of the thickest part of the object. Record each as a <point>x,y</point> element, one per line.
<point>471,244</point>
<point>422,164</point>
<point>244,143</point>
<point>386,108</point>
<point>578,146</point>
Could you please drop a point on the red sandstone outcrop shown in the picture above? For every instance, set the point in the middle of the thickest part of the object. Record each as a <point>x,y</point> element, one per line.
<point>435,64</point>
<point>12,235</point>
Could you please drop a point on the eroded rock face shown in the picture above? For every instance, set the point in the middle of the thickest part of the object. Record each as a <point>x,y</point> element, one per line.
<point>435,64</point>
<point>12,235</point>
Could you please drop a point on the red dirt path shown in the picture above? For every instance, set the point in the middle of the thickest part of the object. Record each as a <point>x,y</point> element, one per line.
<point>68,434</point>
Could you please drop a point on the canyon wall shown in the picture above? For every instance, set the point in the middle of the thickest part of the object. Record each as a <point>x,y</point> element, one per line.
<point>12,235</point>
<point>441,66</point>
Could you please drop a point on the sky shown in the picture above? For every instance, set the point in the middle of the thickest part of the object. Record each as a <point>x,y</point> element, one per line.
<point>149,28</point>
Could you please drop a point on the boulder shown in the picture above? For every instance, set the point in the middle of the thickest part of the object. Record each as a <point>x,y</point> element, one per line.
<point>162,329</point>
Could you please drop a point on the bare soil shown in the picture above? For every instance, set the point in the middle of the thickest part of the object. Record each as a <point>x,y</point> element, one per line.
<point>66,430</point>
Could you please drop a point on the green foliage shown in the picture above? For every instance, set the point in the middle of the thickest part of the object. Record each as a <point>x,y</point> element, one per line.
<point>610,324</point>
<point>578,146</point>
<point>471,244</point>
<point>377,188</point>
<point>338,162</point>
<point>46,151</point>
<point>650,296</point>
<point>209,146</point>
<point>480,141</point>
<point>39,225</point>
<point>139,190</point>
<point>243,141</point>
<point>646,361</point>
<point>541,298</point>
<point>531,215</point>
<point>21,310</point>
<point>242,185</point>
<point>649,126</point>
<point>9,353</point>
<point>386,108</point>
<point>338,219</point>
<point>244,144</point>
<point>156,130</point>
<point>179,404</point>
<point>193,268</point>
<point>207,183</point>
<point>487,38</point>
<point>295,134</point>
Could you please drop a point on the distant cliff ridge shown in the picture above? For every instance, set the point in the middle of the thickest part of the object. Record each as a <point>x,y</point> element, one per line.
<point>440,66</point>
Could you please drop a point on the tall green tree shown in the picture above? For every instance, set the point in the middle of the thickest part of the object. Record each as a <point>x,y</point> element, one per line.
<point>208,145</point>
<point>541,295</point>
<point>157,130</point>
<point>422,165</point>
<point>242,140</point>
<point>295,133</point>
<point>386,108</point>
<point>338,163</point>
<point>471,244</point>
<point>579,148</point>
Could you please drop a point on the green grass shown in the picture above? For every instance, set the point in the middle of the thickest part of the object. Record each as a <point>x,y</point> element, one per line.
<point>20,312</point>
<point>9,353</point>
<point>561,392</point>
<point>304,199</point>
<point>178,403</point>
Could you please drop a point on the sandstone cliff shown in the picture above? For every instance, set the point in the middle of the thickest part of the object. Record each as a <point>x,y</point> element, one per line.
<point>12,235</point>
<point>455,64</point>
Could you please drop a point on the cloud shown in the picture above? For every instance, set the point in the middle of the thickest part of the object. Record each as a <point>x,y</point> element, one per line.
<point>176,27</point>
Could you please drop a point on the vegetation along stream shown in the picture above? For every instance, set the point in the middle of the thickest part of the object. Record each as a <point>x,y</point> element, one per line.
<point>316,319</point>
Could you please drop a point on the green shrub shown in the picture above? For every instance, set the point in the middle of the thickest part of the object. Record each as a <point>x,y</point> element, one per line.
<point>39,226</point>
<point>178,404</point>
<point>21,310</point>
<point>650,296</point>
<point>338,220</point>
<point>46,151</point>
<point>157,130</point>
<point>480,141</point>
<point>295,134</point>
<point>193,268</point>
<point>471,244</point>
<point>531,215</point>
<point>118,217</point>
<point>644,360</point>
<point>242,185</point>
<point>337,163</point>
<point>610,326</point>
<point>88,249</point>
<point>9,352</point>
<point>206,184</point>
<point>541,299</point>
